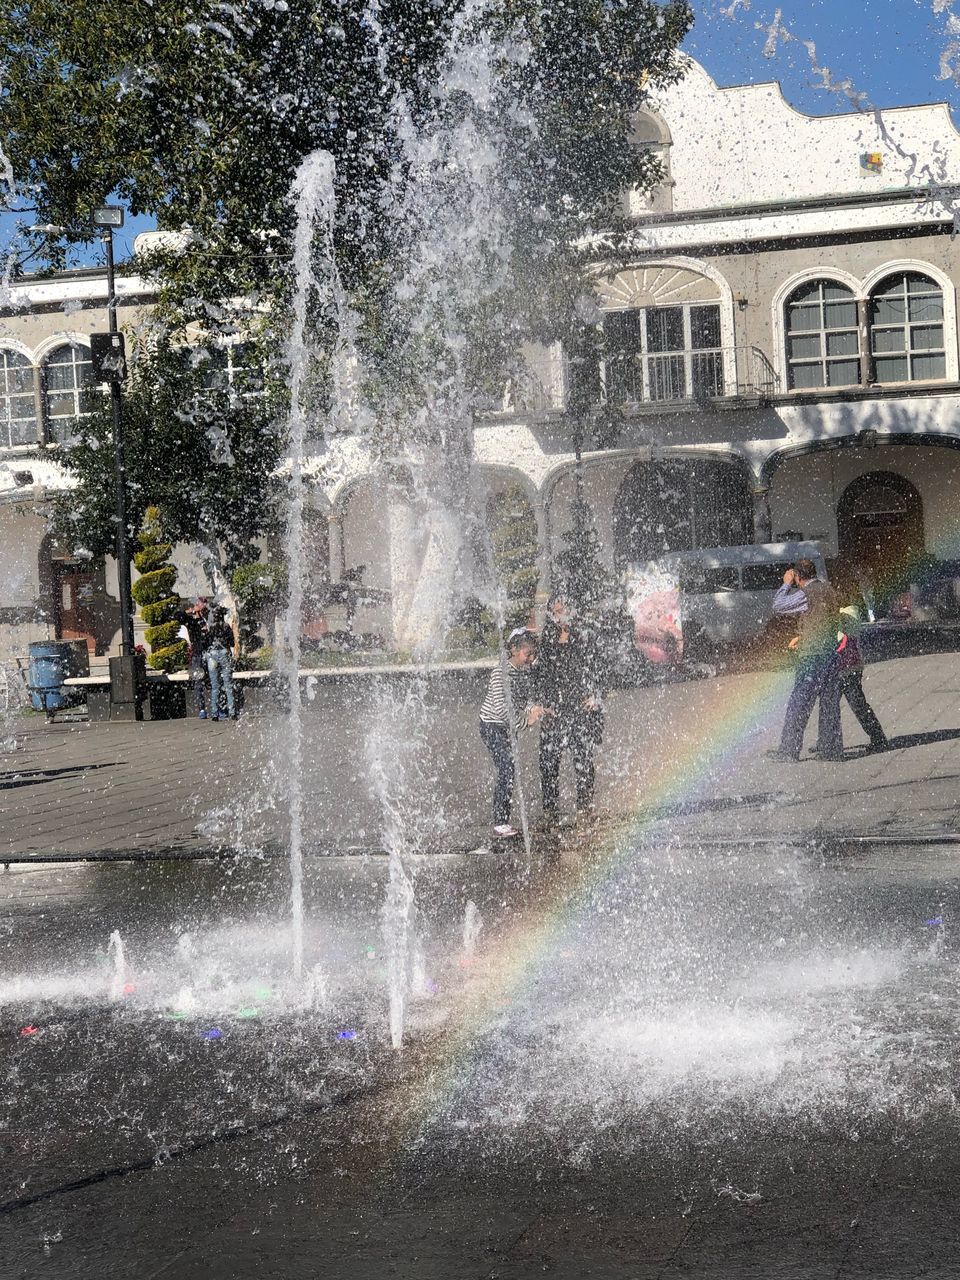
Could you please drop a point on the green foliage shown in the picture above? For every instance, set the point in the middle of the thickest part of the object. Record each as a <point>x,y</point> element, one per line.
<point>513,535</point>
<point>259,589</point>
<point>205,455</point>
<point>154,587</point>
<point>579,573</point>
<point>150,558</point>
<point>170,658</point>
<point>203,112</point>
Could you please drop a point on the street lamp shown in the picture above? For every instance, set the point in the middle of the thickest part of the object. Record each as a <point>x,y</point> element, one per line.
<point>107,357</point>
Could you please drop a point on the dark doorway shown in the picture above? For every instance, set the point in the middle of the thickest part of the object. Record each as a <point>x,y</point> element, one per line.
<point>680,504</point>
<point>879,529</point>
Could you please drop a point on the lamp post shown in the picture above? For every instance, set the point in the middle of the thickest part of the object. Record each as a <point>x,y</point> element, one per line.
<point>107,354</point>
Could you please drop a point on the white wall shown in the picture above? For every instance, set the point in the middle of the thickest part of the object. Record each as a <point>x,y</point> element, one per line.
<point>746,144</point>
<point>805,491</point>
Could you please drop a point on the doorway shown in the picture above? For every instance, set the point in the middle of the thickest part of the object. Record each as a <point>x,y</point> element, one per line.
<point>75,596</point>
<point>880,529</point>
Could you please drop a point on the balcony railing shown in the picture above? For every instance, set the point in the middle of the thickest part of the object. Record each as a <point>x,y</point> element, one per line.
<point>680,377</point>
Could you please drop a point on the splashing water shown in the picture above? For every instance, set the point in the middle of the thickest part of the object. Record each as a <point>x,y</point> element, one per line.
<point>314,271</point>
<point>472,928</point>
<point>116,956</point>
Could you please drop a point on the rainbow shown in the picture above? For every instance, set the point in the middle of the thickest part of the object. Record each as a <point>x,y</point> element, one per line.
<point>729,724</point>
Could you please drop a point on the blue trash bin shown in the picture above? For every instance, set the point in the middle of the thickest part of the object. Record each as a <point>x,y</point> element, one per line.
<point>49,662</point>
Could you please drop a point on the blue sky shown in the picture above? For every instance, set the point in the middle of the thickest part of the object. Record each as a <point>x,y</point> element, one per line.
<point>889,49</point>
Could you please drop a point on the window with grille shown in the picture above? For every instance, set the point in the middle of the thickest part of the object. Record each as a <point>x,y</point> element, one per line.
<point>822,336</point>
<point>663,353</point>
<point>906,329</point>
<point>67,380</point>
<point>18,406</point>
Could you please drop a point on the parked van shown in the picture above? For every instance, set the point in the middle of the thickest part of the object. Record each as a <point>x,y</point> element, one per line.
<point>691,602</point>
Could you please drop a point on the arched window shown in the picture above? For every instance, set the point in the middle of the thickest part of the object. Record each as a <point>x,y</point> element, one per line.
<point>906,328</point>
<point>18,407</point>
<point>649,133</point>
<point>822,338</point>
<point>67,374</point>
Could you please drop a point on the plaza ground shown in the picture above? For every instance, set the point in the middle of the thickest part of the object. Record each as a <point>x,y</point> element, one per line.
<point>191,787</point>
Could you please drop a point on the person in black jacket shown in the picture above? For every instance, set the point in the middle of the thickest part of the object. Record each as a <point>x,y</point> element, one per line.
<point>194,619</point>
<point>568,686</point>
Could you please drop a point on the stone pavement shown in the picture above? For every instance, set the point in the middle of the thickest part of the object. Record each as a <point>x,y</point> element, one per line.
<point>687,761</point>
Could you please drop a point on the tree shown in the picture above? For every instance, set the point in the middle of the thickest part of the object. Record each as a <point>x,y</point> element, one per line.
<point>579,573</point>
<point>153,592</point>
<point>203,111</point>
<point>202,449</point>
<point>479,151</point>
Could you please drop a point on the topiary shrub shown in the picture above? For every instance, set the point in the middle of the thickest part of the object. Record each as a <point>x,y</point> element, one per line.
<point>513,534</point>
<point>153,592</point>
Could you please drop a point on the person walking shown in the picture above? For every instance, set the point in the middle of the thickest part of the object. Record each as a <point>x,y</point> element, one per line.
<point>817,673</point>
<point>850,667</point>
<point>567,681</point>
<point>495,723</point>
<point>220,653</point>
<point>193,620</point>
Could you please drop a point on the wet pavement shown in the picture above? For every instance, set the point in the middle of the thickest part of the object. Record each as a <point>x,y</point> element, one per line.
<point>659,1061</point>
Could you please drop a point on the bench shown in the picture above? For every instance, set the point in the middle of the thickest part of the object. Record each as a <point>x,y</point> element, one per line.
<point>170,697</point>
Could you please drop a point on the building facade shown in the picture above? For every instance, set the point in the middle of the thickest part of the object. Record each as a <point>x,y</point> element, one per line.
<point>779,358</point>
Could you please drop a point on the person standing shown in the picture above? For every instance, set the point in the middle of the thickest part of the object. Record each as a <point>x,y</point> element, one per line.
<point>567,681</point>
<point>817,674</point>
<point>850,667</point>
<point>495,709</point>
<point>194,621</point>
<point>221,651</point>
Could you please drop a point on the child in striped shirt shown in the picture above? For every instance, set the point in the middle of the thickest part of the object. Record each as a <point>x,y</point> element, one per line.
<point>494,724</point>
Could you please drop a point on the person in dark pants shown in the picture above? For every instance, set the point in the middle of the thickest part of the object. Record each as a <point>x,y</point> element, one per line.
<point>817,673</point>
<point>495,723</point>
<point>567,682</point>
<point>221,651</point>
<point>194,620</point>
<point>850,666</point>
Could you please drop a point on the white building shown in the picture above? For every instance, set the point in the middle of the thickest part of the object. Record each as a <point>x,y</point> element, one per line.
<point>782,351</point>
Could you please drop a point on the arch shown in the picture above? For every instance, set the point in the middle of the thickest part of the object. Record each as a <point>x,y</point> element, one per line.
<point>868,439</point>
<point>668,282</point>
<point>70,338</point>
<point>681,502</point>
<point>880,529</point>
<point>874,277</point>
<point>676,262</point>
<point>13,344</point>
<point>648,128</point>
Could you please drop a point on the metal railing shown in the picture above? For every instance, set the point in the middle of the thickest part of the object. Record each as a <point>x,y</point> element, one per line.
<point>681,377</point>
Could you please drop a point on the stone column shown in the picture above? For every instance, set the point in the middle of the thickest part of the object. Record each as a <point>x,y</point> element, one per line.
<point>762,519</point>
